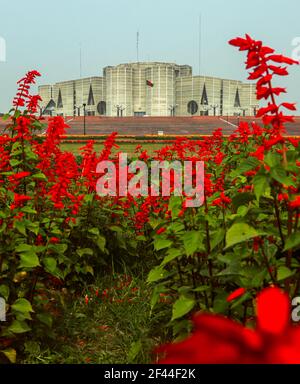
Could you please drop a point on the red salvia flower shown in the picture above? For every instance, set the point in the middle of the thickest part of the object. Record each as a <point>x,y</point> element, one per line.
<point>218,340</point>
<point>236,294</point>
<point>160,231</point>
<point>261,60</point>
<point>23,95</point>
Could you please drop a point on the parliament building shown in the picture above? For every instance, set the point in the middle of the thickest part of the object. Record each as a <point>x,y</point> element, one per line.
<point>149,89</point>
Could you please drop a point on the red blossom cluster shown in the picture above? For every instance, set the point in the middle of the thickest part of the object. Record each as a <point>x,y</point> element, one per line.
<point>23,97</point>
<point>264,66</point>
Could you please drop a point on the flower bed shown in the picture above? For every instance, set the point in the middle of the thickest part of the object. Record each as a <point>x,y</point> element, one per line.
<point>56,233</point>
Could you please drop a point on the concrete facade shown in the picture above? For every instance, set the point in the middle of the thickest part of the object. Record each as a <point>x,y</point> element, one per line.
<point>123,91</point>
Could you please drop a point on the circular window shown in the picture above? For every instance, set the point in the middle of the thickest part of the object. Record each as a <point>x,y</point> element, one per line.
<point>101,108</point>
<point>192,107</point>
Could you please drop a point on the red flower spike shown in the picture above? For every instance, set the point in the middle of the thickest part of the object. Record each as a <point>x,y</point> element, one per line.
<point>160,231</point>
<point>236,294</point>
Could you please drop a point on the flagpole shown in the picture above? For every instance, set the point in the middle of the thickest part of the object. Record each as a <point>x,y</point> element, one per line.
<point>137,46</point>
<point>80,61</point>
<point>200,42</point>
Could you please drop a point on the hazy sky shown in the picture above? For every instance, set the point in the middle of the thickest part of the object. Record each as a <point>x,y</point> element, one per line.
<point>46,35</point>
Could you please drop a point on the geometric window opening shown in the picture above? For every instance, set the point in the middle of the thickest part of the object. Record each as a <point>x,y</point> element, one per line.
<point>237,101</point>
<point>50,107</point>
<point>59,100</point>
<point>91,100</point>
<point>101,108</point>
<point>192,107</point>
<point>204,98</point>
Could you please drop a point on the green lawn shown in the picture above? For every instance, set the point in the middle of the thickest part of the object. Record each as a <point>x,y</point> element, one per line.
<point>124,147</point>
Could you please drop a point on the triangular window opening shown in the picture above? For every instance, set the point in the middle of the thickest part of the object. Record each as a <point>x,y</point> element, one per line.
<point>59,100</point>
<point>204,98</point>
<point>50,107</point>
<point>91,100</point>
<point>237,101</point>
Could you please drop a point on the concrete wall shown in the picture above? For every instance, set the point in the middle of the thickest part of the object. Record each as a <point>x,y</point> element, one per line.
<point>73,94</point>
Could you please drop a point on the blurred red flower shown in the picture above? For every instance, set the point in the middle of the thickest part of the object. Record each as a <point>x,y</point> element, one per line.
<point>218,340</point>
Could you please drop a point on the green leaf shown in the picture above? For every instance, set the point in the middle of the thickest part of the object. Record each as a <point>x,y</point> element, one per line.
<point>176,227</point>
<point>29,260</point>
<point>217,239</point>
<point>28,210</point>
<point>292,242</point>
<point>175,202</point>
<point>157,290</point>
<point>115,228</point>
<point>16,147</point>
<point>4,291</point>
<point>24,248</point>
<point>220,303</point>
<point>33,227</point>
<point>242,199</point>
<point>242,211</point>
<point>272,159</point>
<point>15,162</point>
<point>259,278</point>
<point>283,273</point>
<point>203,288</point>
<point>156,274</point>
<point>160,244</point>
<point>261,183</point>
<point>88,269</point>
<point>101,242</point>
<point>246,165</point>
<point>94,231</point>
<point>59,248</point>
<point>22,305</point>
<point>89,198</point>
<point>11,354</point>
<point>280,175</point>
<point>182,306</point>
<point>154,222</point>
<point>84,251</point>
<point>19,327</point>
<point>135,350</point>
<point>50,264</point>
<point>20,226</point>
<point>192,241</point>
<point>240,233</point>
<point>172,254</point>
<point>45,318</point>
<point>175,206</point>
<point>39,176</point>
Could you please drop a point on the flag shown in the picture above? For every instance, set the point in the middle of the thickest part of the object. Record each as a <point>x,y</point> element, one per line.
<point>149,83</point>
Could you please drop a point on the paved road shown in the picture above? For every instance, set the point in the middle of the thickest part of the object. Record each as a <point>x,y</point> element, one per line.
<point>139,126</point>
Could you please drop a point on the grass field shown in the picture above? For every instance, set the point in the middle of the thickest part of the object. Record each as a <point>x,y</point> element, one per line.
<point>114,327</point>
<point>124,147</point>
